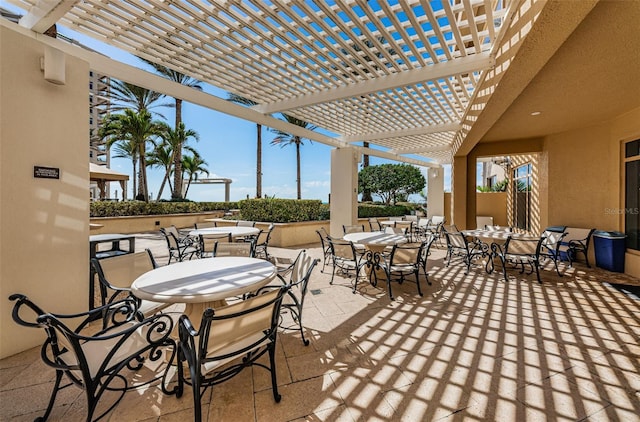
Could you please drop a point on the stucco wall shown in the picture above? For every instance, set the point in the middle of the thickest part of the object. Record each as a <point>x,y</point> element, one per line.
<point>493,204</point>
<point>585,177</point>
<point>44,222</point>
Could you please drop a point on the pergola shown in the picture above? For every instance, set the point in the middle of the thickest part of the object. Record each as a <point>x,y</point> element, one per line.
<point>402,76</point>
<point>102,174</point>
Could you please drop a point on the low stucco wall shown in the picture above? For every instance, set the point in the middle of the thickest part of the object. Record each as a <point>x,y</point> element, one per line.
<point>284,235</point>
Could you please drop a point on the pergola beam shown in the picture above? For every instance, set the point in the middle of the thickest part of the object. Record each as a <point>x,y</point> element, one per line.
<point>418,150</point>
<point>45,14</point>
<point>411,77</point>
<point>124,72</point>
<point>450,127</point>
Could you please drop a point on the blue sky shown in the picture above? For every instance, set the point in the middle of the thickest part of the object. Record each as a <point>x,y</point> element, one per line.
<point>228,145</point>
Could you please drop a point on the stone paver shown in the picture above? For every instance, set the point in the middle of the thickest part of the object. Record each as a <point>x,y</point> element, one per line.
<point>472,348</point>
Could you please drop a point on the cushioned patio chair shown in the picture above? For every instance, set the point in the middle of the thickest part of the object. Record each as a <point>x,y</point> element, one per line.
<point>404,259</point>
<point>519,253</point>
<point>356,228</point>
<point>179,248</point>
<point>324,244</point>
<point>102,359</point>
<point>551,244</point>
<point>374,224</point>
<point>345,259</point>
<point>246,249</point>
<point>208,243</point>
<point>205,225</point>
<point>576,241</point>
<point>116,274</point>
<point>229,340</point>
<point>459,246</point>
<point>262,243</point>
<point>299,275</point>
<point>483,221</point>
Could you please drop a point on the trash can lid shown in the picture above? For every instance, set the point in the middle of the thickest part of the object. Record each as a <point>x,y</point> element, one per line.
<point>609,235</point>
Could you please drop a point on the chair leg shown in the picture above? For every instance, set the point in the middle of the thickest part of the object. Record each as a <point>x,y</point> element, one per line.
<point>536,264</point>
<point>417,273</point>
<point>52,399</point>
<point>389,285</point>
<point>272,360</point>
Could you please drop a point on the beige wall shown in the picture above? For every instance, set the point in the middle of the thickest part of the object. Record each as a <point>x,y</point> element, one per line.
<point>585,177</point>
<point>493,204</point>
<point>44,222</point>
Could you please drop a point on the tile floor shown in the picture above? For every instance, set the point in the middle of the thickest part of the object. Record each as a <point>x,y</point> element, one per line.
<point>472,348</point>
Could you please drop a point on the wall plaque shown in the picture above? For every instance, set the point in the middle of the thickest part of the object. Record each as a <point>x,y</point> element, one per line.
<point>46,172</point>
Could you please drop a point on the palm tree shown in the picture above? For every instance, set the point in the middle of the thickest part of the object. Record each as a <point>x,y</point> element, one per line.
<point>366,193</point>
<point>190,82</point>
<point>124,95</point>
<point>172,140</point>
<point>242,100</point>
<point>283,139</point>
<point>138,129</point>
<point>193,165</point>
<point>162,157</point>
<point>128,149</point>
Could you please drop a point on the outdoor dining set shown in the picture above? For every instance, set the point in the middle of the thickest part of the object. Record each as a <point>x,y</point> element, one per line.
<point>234,293</point>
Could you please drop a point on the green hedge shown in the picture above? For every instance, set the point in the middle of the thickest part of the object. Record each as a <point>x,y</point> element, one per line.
<point>366,211</point>
<point>273,210</point>
<point>268,210</point>
<point>128,208</point>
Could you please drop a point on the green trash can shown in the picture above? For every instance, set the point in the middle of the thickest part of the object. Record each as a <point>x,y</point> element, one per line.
<point>609,250</point>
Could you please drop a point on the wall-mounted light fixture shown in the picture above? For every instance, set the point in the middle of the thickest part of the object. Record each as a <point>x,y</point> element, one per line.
<point>53,65</point>
<point>433,173</point>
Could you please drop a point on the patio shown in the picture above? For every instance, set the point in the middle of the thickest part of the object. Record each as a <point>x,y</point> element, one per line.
<point>473,348</point>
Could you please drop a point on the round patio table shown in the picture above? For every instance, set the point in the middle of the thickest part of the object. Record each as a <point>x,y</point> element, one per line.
<point>203,283</point>
<point>234,231</point>
<point>375,242</point>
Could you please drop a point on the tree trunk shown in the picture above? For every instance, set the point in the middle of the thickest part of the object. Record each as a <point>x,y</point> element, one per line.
<point>366,193</point>
<point>164,180</point>
<point>259,162</point>
<point>144,188</point>
<point>135,177</point>
<point>298,167</point>
<point>177,158</point>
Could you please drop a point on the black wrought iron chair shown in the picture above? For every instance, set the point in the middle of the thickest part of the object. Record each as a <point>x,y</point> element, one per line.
<point>229,340</point>
<point>179,247</point>
<point>576,241</point>
<point>204,225</point>
<point>356,228</point>
<point>208,243</point>
<point>247,249</point>
<point>299,274</point>
<point>262,243</point>
<point>116,274</point>
<point>106,359</point>
<point>428,241</point>
<point>519,252</point>
<point>459,246</point>
<point>345,259</point>
<point>324,244</point>
<point>405,258</point>
<point>550,248</point>
<point>374,224</point>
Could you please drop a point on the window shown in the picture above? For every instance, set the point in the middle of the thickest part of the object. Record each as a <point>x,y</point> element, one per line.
<point>522,177</point>
<point>632,194</point>
<point>492,181</point>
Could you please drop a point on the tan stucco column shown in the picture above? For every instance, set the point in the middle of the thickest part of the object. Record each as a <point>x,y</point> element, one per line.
<point>435,191</point>
<point>44,220</point>
<point>344,189</point>
<point>459,197</point>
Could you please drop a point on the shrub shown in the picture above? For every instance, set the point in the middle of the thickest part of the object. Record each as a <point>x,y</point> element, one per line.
<point>272,210</point>
<point>366,211</point>
<point>128,208</point>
